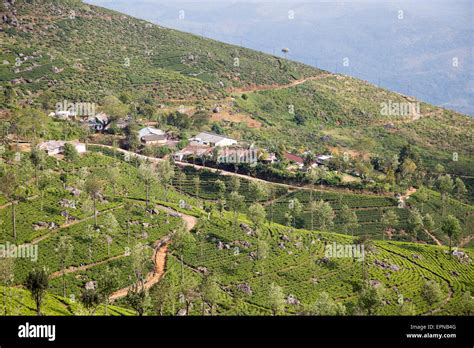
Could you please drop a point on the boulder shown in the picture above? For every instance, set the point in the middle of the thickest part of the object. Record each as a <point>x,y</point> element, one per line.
<point>292,300</point>
<point>246,228</point>
<point>40,225</point>
<point>203,270</point>
<point>245,288</point>
<point>182,312</point>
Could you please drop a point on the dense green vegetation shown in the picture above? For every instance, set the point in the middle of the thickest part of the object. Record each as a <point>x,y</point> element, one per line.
<point>99,220</point>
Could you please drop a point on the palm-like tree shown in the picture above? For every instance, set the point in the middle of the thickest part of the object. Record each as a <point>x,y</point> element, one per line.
<point>93,187</point>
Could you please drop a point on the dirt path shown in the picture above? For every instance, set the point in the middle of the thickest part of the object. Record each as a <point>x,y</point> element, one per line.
<point>289,186</point>
<point>436,240</point>
<point>403,198</point>
<point>159,255</point>
<point>73,269</point>
<point>16,202</point>
<point>69,224</point>
<point>223,172</point>
<point>466,240</point>
<point>250,89</point>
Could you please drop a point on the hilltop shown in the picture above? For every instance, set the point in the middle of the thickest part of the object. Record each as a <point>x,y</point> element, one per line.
<point>78,52</point>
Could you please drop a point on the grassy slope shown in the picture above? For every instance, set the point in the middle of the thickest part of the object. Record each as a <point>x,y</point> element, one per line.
<point>297,269</point>
<point>18,302</point>
<point>348,111</point>
<point>369,207</point>
<point>165,64</point>
<point>93,48</point>
<point>294,267</point>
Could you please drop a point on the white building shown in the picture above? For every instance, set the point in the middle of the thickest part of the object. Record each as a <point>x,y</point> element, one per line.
<point>56,147</point>
<point>148,131</point>
<point>63,115</point>
<point>212,139</point>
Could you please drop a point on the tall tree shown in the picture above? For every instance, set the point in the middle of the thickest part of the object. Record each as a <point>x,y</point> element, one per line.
<point>64,250</point>
<point>44,182</point>
<point>369,300</point>
<point>147,175</point>
<point>432,292</point>
<point>257,190</point>
<point>93,187</point>
<point>181,177</point>
<point>38,159</point>
<point>324,214</point>
<point>235,203</point>
<point>111,224</point>
<point>348,219</point>
<point>429,223</point>
<point>452,228</point>
<point>276,299</point>
<point>209,290</point>
<point>166,173</point>
<point>256,213</point>
<point>445,186</point>
<point>139,299</point>
<point>114,109</point>
<point>415,222</point>
<point>388,220</point>
<point>296,209</point>
<point>37,283</point>
<point>114,178</point>
<point>9,188</point>
<point>235,184</point>
<point>263,249</point>
<point>182,239</point>
<point>90,298</point>
<point>459,188</point>
<point>137,296</point>
<point>30,123</point>
<point>70,153</point>
<point>106,284</point>
<point>197,187</point>
<point>325,305</point>
<point>221,189</point>
<point>422,197</point>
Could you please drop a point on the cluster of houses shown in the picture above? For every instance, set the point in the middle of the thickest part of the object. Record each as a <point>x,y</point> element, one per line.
<point>97,122</point>
<point>205,145</point>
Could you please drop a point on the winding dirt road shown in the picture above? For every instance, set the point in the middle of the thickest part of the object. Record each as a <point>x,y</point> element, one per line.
<point>253,88</point>
<point>159,255</point>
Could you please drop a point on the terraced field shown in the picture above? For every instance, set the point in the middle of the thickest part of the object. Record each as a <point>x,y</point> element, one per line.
<point>18,302</point>
<point>295,262</point>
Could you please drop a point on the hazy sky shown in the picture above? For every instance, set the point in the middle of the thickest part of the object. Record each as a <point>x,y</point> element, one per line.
<point>422,48</point>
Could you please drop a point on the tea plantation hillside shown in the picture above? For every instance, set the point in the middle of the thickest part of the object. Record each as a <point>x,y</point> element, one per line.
<point>340,112</point>
<point>99,52</point>
<point>369,208</point>
<point>227,255</point>
<point>65,49</point>
<point>18,302</point>
<point>348,210</point>
<point>295,261</point>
